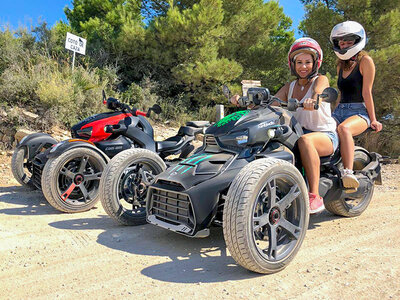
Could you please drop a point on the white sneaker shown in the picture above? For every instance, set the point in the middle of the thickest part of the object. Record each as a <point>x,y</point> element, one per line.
<point>349,180</point>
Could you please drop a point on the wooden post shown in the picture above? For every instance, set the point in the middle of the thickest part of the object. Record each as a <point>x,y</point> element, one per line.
<point>73,61</point>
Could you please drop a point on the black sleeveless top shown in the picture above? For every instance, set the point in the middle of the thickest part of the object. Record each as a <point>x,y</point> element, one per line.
<point>351,86</point>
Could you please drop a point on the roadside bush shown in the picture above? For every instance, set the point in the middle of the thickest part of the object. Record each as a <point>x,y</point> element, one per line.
<point>142,95</point>
<point>73,95</point>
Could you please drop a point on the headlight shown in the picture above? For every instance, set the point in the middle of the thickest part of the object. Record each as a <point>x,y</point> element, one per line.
<point>271,133</point>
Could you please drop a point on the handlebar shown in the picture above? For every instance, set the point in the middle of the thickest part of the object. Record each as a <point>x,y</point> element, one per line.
<point>261,96</point>
<point>115,104</point>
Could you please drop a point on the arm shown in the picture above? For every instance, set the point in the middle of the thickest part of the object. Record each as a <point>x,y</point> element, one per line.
<point>320,84</point>
<point>339,95</point>
<point>283,92</point>
<point>367,69</point>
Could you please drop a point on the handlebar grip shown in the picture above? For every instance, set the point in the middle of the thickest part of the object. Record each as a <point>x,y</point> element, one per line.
<point>141,113</point>
<point>316,106</point>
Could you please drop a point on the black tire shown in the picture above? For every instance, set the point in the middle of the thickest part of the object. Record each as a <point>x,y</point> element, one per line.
<point>284,222</point>
<point>71,181</point>
<point>124,185</point>
<point>22,168</point>
<point>353,206</point>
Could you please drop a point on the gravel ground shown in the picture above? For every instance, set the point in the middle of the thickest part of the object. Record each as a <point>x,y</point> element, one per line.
<point>45,254</point>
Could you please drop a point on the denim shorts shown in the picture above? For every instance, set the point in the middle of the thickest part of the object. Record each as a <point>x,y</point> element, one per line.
<point>346,110</point>
<point>331,134</point>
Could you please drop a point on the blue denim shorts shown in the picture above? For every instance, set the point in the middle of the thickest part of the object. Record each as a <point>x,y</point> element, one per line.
<point>331,134</point>
<point>346,110</point>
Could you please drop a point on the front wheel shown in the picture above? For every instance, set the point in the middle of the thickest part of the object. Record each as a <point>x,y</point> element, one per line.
<point>266,214</point>
<point>125,182</point>
<point>70,182</point>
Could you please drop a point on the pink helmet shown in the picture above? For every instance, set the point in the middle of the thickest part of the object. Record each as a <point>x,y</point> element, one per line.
<point>305,45</point>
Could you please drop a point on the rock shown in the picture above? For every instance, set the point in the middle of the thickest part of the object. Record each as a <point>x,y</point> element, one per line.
<point>21,133</point>
<point>60,134</point>
<point>6,139</point>
<point>30,116</point>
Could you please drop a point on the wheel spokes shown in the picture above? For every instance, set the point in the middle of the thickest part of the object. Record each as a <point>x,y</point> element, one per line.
<point>286,201</point>
<point>83,164</point>
<point>95,176</point>
<point>68,192</point>
<point>147,177</point>
<point>272,194</point>
<point>84,192</point>
<point>262,221</point>
<point>67,173</point>
<point>290,228</point>
<point>273,241</point>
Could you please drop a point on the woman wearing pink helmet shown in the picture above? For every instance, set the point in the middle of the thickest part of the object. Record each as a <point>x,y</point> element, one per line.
<point>320,138</point>
<point>355,112</point>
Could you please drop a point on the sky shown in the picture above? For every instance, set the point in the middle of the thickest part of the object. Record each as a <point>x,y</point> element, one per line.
<point>30,12</point>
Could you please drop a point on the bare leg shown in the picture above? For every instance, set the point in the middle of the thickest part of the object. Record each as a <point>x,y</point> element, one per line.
<point>346,130</point>
<point>312,146</point>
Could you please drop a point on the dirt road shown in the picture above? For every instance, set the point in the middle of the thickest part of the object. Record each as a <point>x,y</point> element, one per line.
<point>51,255</point>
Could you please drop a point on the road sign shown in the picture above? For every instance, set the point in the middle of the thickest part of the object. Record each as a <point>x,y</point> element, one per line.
<point>75,43</point>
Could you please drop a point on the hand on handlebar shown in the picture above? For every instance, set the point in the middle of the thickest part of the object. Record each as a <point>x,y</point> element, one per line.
<point>308,104</point>
<point>235,100</point>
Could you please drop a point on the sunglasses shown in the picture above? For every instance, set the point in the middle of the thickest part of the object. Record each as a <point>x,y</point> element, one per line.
<point>349,38</point>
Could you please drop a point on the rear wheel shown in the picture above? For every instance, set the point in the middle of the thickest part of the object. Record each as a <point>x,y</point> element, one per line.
<point>21,167</point>
<point>70,182</point>
<point>266,215</point>
<point>125,183</point>
<point>352,206</point>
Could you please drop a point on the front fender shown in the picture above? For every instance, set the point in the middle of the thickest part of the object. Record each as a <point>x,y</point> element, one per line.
<point>66,145</point>
<point>35,142</point>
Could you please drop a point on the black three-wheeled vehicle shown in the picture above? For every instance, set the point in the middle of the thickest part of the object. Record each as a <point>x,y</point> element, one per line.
<point>247,178</point>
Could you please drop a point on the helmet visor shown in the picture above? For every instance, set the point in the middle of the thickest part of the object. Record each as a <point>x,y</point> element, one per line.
<point>346,38</point>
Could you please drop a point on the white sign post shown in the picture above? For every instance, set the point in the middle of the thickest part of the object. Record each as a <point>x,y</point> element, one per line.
<point>75,44</point>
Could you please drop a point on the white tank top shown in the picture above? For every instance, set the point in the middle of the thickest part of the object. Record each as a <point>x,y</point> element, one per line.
<point>314,120</point>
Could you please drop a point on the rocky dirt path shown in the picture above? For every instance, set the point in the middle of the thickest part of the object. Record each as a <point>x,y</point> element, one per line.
<point>45,254</point>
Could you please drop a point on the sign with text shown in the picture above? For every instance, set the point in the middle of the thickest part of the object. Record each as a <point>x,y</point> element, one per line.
<point>75,43</point>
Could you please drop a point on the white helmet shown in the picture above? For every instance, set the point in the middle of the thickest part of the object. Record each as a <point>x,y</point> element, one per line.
<point>348,30</point>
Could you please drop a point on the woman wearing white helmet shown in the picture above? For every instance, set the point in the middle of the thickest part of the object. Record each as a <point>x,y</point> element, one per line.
<point>320,138</point>
<point>356,72</point>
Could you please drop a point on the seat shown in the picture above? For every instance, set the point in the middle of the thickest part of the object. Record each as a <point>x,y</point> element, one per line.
<point>198,124</point>
<point>190,131</point>
<point>170,143</point>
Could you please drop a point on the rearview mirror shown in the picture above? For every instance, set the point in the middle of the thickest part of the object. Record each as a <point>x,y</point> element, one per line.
<point>329,95</point>
<point>292,104</point>
<point>156,108</point>
<point>226,92</point>
<point>104,97</point>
